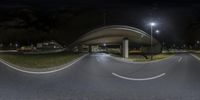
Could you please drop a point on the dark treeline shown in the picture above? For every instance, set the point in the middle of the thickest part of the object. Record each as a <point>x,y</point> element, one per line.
<point>28,25</point>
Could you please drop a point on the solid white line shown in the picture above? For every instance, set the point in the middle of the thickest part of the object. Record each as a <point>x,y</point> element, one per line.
<point>43,72</point>
<point>139,79</point>
<point>179,60</point>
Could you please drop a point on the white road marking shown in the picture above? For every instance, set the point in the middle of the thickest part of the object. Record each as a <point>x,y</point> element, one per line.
<point>43,72</point>
<point>179,60</point>
<point>198,58</point>
<point>138,79</point>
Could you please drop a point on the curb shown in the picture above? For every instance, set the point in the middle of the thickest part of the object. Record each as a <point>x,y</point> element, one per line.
<point>42,71</point>
<point>126,61</point>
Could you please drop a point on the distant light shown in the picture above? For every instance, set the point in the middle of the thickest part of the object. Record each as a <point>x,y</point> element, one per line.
<point>152,24</point>
<point>198,42</point>
<point>104,44</point>
<point>10,44</point>
<point>157,31</point>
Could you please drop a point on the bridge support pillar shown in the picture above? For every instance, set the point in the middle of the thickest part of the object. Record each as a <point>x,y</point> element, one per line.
<point>90,48</point>
<point>125,48</point>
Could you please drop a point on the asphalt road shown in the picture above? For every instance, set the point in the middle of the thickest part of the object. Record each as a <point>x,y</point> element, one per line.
<point>99,77</point>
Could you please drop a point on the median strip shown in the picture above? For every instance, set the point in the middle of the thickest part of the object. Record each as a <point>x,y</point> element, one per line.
<point>142,62</point>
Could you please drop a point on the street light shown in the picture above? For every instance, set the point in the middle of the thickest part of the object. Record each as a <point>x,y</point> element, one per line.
<point>157,31</point>
<point>152,24</point>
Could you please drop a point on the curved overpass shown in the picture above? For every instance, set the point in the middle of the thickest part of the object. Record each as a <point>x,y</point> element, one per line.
<point>118,34</point>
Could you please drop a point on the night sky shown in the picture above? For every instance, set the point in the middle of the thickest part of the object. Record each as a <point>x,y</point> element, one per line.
<point>31,21</point>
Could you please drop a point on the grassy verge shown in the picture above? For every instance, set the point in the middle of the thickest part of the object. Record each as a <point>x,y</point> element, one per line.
<point>198,54</point>
<point>39,61</point>
<point>140,58</point>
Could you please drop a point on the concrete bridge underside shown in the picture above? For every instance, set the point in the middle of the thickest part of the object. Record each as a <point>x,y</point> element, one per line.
<point>119,34</point>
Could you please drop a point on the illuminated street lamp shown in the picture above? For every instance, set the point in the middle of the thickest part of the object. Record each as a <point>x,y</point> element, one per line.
<point>152,24</point>
<point>16,45</point>
<point>157,31</point>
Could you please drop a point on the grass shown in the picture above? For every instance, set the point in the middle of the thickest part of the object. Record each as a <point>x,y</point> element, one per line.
<point>198,54</point>
<point>140,58</point>
<point>39,61</point>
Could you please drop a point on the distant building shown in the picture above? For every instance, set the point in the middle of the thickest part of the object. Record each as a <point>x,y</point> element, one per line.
<point>48,45</point>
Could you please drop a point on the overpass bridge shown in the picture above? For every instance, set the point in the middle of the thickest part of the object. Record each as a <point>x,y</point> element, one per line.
<point>121,35</point>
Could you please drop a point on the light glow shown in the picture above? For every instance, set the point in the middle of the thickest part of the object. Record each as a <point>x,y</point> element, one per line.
<point>152,24</point>
<point>157,31</point>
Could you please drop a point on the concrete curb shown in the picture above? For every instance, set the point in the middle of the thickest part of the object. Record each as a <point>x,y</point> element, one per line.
<point>126,61</point>
<point>198,58</point>
<point>43,70</point>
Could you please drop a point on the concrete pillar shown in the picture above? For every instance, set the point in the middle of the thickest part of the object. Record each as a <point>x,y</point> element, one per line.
<point>125,48</point>
<point>121,50</point>
<point>90,48</point>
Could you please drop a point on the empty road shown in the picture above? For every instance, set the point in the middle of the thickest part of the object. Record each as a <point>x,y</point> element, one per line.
<point>100,77</point>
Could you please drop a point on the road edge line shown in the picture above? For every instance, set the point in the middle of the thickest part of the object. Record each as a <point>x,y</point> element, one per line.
<point>10,65</point>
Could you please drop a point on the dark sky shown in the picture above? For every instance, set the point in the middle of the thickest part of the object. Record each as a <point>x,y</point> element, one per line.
<point>178,21</point>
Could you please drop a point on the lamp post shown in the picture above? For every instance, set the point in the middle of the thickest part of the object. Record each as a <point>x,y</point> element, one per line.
<point>152,24</point>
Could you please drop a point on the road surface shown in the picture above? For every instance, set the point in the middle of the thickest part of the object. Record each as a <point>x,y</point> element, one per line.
<point>100,77</point>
